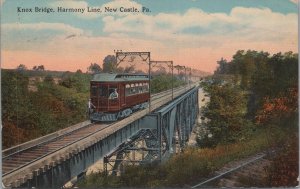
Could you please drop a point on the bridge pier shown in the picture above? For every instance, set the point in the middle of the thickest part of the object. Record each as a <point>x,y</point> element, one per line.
<point>163,132</point>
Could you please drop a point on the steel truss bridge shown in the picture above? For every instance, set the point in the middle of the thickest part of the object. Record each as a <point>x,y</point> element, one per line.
<point>54,159</point>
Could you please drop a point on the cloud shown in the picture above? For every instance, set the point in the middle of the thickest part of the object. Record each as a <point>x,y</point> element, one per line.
<point>35,36</point>
<point>201,28</point>
<point>194,37</point>
<point>199,35</point>
<point>42,26</point>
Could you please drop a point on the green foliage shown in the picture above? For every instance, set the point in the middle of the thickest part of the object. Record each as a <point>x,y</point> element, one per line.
<point>18,118</point>
<point>110,64</point>
<point>278,75</point>
<point>145,175</point>
<point>30,114</point>
<point>94,68</point>
<point>78,81</point>
<point>225,113</point>
<point>206,141</point>
<point>100,180</point>
<point>164,82</point>
<point>241,89</point>
<point>192,165</point>
<point>223,67</point>
<point>58,107</point>
<point>261,74</point>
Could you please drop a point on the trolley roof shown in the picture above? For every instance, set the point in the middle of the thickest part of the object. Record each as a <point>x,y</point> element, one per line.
<point>112,77</point>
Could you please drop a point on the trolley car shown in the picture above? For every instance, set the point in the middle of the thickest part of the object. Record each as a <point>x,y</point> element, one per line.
<point>115,96</point>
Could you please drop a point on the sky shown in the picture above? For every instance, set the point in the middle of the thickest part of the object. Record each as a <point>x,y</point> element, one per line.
<point>194,33</point>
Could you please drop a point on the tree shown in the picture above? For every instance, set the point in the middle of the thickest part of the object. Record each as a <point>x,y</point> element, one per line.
<point>94,68</point>
<point>21,67</point>
<point>225,113</point>
<point>160,71</point>
<point>265,92</point>
<point>17,116</point>
<point>39,68</point>
<point>223,67</point>
<point>79,71</point>
<point>110,64</point>
<point>129,69</point>
<point>281,110</point>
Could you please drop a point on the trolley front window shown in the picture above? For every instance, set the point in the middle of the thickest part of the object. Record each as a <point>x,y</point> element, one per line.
<point>94,91</point>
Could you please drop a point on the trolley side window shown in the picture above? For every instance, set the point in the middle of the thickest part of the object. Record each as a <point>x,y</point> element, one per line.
<point>141,88</point>
<point>136,88</point>
<point>103,91</point>
<point>132,89</point>
<point>127,90</point>
<point>145,87</point>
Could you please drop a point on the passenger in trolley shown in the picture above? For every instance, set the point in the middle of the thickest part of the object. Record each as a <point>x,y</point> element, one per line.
<point>114,95</point>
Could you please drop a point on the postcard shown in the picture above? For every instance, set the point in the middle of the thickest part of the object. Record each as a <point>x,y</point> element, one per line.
<point>143,93</point>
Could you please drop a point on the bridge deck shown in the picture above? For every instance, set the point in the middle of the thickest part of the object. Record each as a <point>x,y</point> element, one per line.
<point>19,164</point>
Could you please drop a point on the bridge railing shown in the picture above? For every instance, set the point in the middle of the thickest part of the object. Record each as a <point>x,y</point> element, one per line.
<point>43,139</point>
<point>51,136</point>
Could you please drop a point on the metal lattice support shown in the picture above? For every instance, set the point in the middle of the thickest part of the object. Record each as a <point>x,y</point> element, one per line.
<point>142,148</point>
<point>165,132</point>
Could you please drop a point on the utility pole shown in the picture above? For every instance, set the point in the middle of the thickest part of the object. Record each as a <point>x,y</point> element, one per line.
<point>190,76</point>
<point>145,56</point>
<point>178,67</point>
<point>170,64</point>
<point>185,76</point>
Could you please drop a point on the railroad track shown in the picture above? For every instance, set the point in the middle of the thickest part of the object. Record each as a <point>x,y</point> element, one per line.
<point>13,160</point>
<point>251,168</point>
<point>22,158</point>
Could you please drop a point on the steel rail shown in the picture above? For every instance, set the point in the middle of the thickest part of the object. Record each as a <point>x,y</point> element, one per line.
<point>47,141</point>
<point>156,95</point>
<point>65,144</point>
<point>230,171</point>
<point>59,148</point>
<point>87,140</point>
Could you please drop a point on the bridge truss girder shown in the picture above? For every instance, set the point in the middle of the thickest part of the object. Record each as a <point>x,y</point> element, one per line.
<point>142,148</point>
<point>163,132</point>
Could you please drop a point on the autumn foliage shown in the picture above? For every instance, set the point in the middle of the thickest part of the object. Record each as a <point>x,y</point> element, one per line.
<point>30,114</point>
<point>279,108</point>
